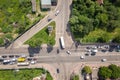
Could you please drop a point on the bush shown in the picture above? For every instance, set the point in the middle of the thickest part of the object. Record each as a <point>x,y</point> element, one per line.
<point>86,70</point>
<point>75,77</point>
<point>9,36</point>
<point>49,77</point>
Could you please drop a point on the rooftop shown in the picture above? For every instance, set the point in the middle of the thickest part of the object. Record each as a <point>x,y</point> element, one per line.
<point>46,2</point>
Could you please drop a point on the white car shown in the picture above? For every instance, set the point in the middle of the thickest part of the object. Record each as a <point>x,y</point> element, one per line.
<point>68,52</point>
<point>57,12</point>
<point>24,56</point>
<point>103,60</point>
<point>82,57</point>
<point>33,62</point>
<point>11,63</point>
<point>13,60</point>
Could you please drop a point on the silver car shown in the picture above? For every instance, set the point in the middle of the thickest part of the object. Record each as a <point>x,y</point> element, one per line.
<point>103,60</point>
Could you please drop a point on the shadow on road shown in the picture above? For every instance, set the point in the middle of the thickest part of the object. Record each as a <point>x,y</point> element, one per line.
<point>33,51</point>
<point>49,48</point>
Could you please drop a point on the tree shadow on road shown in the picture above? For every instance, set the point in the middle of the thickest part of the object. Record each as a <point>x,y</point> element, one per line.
<point>32,51</point>
<point>49,48</point>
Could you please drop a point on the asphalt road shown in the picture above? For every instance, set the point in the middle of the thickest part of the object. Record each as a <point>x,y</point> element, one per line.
<point>62,26</point>
<point>62,29</point>
<point>55,59</point>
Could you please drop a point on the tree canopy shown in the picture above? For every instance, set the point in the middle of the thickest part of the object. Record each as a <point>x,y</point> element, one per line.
<point>104,72</point>
<point>115,71</point>
<point>112,71</point>
<point>88,16</point>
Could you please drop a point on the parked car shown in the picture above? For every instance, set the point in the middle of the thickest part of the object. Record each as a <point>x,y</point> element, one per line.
<point>29,59</point>
<point>4,56</point>
<point>11,63</point>
<point>17,56</point>
<point>13,59</point>
<point>24,56</point>
<point>6,62</point>
<point>11,56</point>
<point>34,59</point>
<point>33,62</point>
<point>1,59</point>
<point>21,59</point>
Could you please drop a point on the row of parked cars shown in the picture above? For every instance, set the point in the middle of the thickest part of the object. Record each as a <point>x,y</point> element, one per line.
<point>19,60</point>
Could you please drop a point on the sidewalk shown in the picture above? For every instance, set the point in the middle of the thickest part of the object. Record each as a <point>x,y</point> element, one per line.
<point>94,66</point>
<point>48,67</point>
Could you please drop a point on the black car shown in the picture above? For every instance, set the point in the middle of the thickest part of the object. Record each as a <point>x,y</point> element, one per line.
<point>1,59</point>
<point>17,56</point>
<point>11,56</point>
<point>29,59</point>
<point>57,70</point>
<point>58,51</point>
<point>4,56</point>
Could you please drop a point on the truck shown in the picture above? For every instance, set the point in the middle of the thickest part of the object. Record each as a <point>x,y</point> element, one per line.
<point>23,64</point>
<point>62,42</point>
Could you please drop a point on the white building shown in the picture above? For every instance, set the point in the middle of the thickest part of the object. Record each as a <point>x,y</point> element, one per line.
<point>45,4</point>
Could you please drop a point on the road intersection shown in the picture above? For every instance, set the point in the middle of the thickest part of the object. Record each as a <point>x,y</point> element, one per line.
<point>67,64</point>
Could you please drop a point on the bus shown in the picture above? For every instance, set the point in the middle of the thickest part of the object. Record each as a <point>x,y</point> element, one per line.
<point>62,42</point>
<point>23,64</point>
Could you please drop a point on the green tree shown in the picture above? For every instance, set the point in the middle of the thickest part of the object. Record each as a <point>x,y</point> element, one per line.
<point>74,20</point>
<point>86,70</point>
<point>115,71</point>
<point>103,19</point>
<point>116,38</point>
<point>104,72</point>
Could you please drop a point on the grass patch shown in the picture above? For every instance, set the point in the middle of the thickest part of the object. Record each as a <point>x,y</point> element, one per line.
<point>42,37</point>
<point>75,77</point>
<point>16,17</point>
<point>22,74</point>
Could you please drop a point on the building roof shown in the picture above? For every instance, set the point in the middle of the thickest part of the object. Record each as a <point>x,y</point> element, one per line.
<point>46,2</point>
